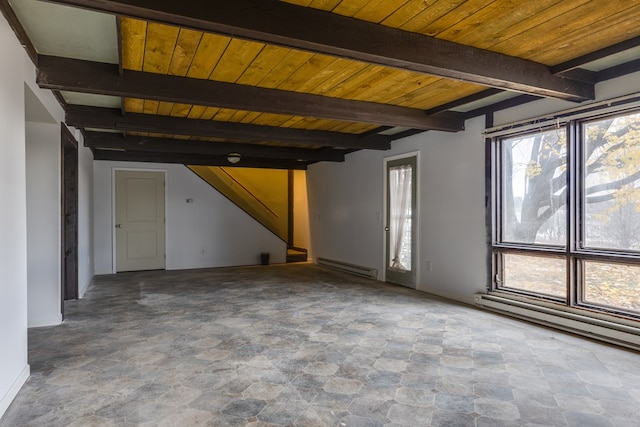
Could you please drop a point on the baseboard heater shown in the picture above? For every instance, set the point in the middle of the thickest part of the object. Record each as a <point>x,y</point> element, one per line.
<point>622,332</point>
<point>358,270</point>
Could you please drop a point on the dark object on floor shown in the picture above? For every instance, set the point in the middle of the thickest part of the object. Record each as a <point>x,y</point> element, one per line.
<point>264,258</point>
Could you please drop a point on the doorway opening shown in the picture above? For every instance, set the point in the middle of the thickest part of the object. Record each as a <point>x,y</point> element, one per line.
<point>69,170</point>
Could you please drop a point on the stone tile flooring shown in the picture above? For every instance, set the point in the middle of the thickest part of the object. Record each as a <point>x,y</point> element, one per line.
<point>305,346</point>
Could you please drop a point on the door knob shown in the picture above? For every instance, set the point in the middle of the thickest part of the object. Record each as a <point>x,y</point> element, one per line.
<point>386,229</point>
<point>118,225</point>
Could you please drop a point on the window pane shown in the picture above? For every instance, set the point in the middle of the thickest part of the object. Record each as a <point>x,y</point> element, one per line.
<point>400,212</point>
<point>534,188</point>
<point>613,285</point>
<point>541,275</point>
<point>612,183</point>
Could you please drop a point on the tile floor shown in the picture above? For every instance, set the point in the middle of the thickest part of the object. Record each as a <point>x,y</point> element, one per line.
<point>303,345</point>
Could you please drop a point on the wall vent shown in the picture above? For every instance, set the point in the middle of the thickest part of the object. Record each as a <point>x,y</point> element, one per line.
<point>358,270</point>
<point>620,332</point>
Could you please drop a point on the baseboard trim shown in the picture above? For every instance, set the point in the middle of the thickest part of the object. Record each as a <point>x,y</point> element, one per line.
<point>596,326</point>
<point>39,323</point>
<point>14,389</point>
<point>447,296</point>
<point>358,270</point>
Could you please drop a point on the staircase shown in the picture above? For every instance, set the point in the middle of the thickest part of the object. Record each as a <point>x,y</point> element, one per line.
<point>265,195</point>
<point>296,254</point>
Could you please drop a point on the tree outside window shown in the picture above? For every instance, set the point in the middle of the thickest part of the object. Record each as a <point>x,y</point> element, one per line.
<point>534,181</point>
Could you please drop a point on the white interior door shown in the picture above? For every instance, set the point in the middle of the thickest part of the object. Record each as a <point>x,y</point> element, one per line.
<point>140,221</point>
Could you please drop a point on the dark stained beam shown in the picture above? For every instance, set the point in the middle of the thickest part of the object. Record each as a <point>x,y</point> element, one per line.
<point>465,100</point>
<point>115,141</point>
<point>92,77</point>
<point>119,34</point>
<point>443,110</point>
<point>190,159</point>
<point>298,27</point>
<point>501,105</point>
<point>112,119</point>
<point>580,74</point>
<point>481,111</point>
<point>619,70</point>
<point>406,133</point>
<point>569,68</point>
<point>594,56</point>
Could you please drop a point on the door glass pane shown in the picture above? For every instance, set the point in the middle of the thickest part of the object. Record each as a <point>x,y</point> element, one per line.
<point>612,183</point>
<point>534,188</point>
<point>400,207</point>
<point>613,285</point>
<point>536,274</point>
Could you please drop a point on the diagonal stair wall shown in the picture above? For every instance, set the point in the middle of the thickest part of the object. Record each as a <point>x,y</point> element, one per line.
<point>261,193</point>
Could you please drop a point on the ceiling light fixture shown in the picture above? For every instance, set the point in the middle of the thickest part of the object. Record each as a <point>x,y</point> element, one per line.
<point>233,158</point>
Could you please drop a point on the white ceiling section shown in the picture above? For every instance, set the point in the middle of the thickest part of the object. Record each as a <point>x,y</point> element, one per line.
<point>610,61</point>
<point>68,32</point>
<point>484,102</point>
<point>78,98</point>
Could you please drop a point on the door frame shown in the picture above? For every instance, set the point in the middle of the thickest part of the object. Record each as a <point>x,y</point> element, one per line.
<point>113,210</point>
<point>69,193</point>
<point>385,214</point>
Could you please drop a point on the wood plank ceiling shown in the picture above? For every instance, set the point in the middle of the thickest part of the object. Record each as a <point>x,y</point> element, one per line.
<point>289,83</point>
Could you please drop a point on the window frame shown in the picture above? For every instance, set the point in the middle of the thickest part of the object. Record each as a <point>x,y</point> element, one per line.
<point>574,250</point>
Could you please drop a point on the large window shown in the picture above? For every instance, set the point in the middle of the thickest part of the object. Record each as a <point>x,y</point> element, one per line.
<point>567,212</point>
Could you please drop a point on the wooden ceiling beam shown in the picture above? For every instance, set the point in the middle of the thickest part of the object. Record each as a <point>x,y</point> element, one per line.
<point>465,100</point>
<point>195,160</point>
<point>75,75</point>
<point>304,28</point>
<point>112,119</point>
<point>619,70</point>
<point>583,60</point>
<point>569,68</point>
<point>113,141</point>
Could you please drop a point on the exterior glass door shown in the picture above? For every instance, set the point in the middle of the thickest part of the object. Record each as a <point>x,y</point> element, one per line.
<point>401,221</point>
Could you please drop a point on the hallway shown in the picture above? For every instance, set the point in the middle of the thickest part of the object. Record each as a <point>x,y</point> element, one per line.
<point>303,345</point>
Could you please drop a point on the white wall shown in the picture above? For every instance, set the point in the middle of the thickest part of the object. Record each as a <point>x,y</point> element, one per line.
<point>346,205</point>
<point>43,223</point>
<point>14,369</point>
<point>44,115</point>
<point>453,233</point>
<point>44,217</point>
<point>346,202</point>
<point>23,264</point>
<point>210,232</point>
